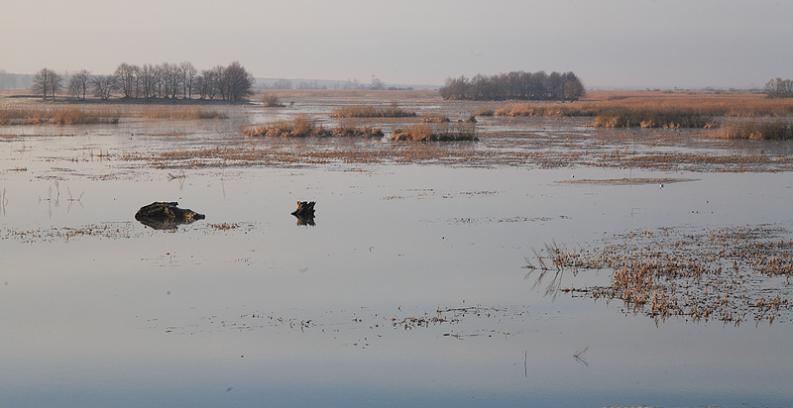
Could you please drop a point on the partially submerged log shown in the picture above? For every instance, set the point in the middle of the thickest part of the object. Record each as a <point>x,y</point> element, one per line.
<point>166,215</point>
<point>304,212</point>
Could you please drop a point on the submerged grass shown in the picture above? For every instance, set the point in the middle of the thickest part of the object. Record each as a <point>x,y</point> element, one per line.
<point>720,274</point>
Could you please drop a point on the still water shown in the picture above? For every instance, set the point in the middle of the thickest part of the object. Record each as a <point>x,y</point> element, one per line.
<point>270,313</point>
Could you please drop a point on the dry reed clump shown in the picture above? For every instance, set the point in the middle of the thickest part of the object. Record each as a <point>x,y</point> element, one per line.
<point>446,132</point>
<point>434,118</point>
<point>646,119</point>
<point>181,114</point>
<point>484,112</point>
<point>272,101</point>
<point>706,104</point>
<point>59,116</point>
<point>778,130</point>
<point>701,275</point>
<point>364,111</point>
<point>302,126</point>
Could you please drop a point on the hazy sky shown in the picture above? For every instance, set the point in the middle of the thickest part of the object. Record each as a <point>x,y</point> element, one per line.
<point>607,42</point>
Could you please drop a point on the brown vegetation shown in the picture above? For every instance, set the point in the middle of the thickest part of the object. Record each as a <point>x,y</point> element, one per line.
<point>302,126</point>
<point>705,104</point>
<point>59,116</point>
<point>42,115</point>
<point>364,111</point>
<point>753,130</point>
<point>671,119</point>
<point>272,101</point>
<point>444,132</point>
<point>700,275</point>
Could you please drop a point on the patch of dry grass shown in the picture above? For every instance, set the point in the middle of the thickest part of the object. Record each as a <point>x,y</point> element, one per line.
<point>647,119</point>
<point>717,274</point>
<point>56,116</point>
<point>754,130</point>
<point>302,126</point>
<point>272,101</point>
<point>181,113</point>
<point>436,132</point>
<point>369,111</point>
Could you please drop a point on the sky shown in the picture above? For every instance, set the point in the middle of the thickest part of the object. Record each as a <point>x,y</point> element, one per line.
<point>608,43</point>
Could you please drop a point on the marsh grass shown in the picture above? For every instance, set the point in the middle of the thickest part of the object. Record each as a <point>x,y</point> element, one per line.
<point>68,115</point>
<point>700,275</point>
<point>303,126</point>
<point>369,111</point>
<point>755,130</point>
<point>646,119</point>
<point>436,132</point>
<point>272,101</point>
<point>57,116</point>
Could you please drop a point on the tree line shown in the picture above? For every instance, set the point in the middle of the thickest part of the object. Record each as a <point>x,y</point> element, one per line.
<point>779,88</point>
<point>515,85</point>
<point>164,81</point>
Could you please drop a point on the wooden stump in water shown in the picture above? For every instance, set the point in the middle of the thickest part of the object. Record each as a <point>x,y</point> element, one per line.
<point>166,215</point>
<point>304,212</point>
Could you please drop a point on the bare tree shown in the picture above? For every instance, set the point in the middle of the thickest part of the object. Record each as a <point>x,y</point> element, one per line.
<point>103,86</point>
<point>78,84</point>
<point>188,77</point>
<point>237,81</point>
<point>126,79</point>
<point>46,82</point>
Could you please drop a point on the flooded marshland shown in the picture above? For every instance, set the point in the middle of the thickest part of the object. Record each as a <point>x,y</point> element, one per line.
<point>429,276</point>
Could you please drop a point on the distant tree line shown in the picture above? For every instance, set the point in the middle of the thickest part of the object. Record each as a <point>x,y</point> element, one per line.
<point>779,88</point>
<point>515,85</point>
<point>147,82</point>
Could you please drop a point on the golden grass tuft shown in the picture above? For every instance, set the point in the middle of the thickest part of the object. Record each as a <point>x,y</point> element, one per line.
<point>303,126</point>
<point>445,132</point>
<point>181,113</point>
<point>646,119</point>
<point>368,111</point>
<point>272,101</point>
<point>778,130</point>
<point>59,116</point>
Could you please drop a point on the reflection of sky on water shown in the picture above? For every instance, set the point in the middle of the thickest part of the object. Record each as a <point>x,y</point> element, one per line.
<point>136,321</point>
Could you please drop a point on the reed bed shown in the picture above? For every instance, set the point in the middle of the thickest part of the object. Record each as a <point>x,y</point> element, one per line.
<point>754,130</point>
<point>368,111</point>
<point>70,115</point>
<point>436,132</point>
<point>647,119</point>
<point>302,126</point>
<point>57,116</point>
<point>706,104</point>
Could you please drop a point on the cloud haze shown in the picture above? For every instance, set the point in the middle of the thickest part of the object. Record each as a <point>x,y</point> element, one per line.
<point>608,43</point>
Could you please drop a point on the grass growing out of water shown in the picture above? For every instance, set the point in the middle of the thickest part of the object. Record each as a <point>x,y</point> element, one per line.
<point>38,115</point>
<point>60,116</point>
<point>759,131</point>
<point>671,119</point>
<point>182,114</point>
<point>443,132</point>
<point>272,101</point>
<point>302,126</point>
<point>368,111</point>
